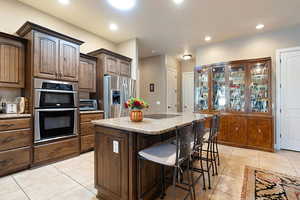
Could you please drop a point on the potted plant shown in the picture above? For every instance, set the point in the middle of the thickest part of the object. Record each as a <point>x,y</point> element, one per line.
<point>136,105</point>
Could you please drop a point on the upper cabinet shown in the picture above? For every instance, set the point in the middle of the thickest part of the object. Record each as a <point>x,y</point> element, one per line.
<point>12,61</point>
<point>112,63</point>
<point>235,87</point>
<point>87,73</point>
<point>55,56</point>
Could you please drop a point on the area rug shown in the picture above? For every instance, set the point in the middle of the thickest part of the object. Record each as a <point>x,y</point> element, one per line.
<point>262,184</point>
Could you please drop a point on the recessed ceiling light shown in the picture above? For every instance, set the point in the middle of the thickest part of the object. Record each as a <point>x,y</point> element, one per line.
<point>65,2</point>
<point>187,57</point>
<point>207,38</point>
<point>122,4</point>
<point>260,26</point>
<point>178,1</point>
<point>113,27</point>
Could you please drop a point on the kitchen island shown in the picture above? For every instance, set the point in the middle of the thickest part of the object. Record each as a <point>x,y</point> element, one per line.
<point>117,142</point>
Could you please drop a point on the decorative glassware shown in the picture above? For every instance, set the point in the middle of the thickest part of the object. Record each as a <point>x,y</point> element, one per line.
<point>219,89</point>
<point>259,88</point>
<point>237,88</point>
<point>201,89</point>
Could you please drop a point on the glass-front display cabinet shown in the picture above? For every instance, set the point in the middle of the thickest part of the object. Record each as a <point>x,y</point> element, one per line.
<point>202,88</point>
<point>234,87</point>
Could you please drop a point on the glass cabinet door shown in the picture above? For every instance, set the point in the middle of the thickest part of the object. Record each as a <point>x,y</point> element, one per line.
<point>237,82</point>
<point>259,88</point>
<point>219,88</point>
<point>201,89</point>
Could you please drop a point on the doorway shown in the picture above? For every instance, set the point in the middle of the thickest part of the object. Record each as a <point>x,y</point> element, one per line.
<point>288,99</point>
<point>171,90</point>
<point>188,92</point>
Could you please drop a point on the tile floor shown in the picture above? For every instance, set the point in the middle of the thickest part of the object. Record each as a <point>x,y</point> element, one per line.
<point>73,179</point>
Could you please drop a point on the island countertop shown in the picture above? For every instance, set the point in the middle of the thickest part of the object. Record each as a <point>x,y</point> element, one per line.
<point>151,126</point>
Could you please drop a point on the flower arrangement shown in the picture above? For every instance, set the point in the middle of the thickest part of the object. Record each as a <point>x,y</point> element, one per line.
<point>136,104</point>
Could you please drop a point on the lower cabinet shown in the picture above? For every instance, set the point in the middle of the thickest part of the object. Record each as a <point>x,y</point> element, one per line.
<point>55,151</point>
<point>14,160</point>
<point>260,134</point>
<point>254,132</point>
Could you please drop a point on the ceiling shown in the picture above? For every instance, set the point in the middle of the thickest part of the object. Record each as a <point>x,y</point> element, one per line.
<point>165,27</point>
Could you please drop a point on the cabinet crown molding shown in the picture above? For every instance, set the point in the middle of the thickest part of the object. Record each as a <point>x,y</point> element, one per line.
<point>108,52</point>
<point>29,26</point>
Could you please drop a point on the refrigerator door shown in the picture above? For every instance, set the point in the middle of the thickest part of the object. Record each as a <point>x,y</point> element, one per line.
<point>117,90</point>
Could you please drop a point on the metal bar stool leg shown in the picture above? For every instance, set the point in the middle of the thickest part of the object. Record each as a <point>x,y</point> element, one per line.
<point>191,179</point>
<point>217,148</point>
<point>207,166</point>
<point>214,155</point>
<point>201,166</point>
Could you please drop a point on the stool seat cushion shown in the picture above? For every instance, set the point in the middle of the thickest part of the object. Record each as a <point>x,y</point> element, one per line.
<point>164,154</point>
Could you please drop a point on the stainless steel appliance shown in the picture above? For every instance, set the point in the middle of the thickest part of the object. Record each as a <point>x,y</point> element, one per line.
<point>117,90</point>
<point>56,111</point>
<point>55,94</point>
<point>88,104</point>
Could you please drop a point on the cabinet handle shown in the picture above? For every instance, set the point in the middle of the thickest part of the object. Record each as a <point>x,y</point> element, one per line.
<point>236,128</point>
<point>6,125</point>
<point>259,130</point>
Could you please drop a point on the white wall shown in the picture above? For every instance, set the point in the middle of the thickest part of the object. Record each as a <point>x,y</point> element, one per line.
<point>14,14</point>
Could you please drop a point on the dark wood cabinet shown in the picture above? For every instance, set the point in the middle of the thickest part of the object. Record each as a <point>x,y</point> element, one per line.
<point>87,130</point>
<point>54,151</point>
<point>111,167</point>
<point>87,73</point>
<point>111,65</point>
<point>241,92</point>
<point>125,68</point>
<point>12,62</point>
<point>51,55</point>
<point>46,54</point>
<point>15,145</point>
<point>68,61</point>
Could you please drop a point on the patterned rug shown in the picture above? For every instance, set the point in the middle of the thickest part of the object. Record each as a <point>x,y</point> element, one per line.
<point>262,184</point>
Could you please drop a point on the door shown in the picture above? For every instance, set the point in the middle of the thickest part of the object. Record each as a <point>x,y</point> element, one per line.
<point>112,65</point>
<point>11,63</point>
<point>290,100</point>
<point>69,61</point>
<point>45,56</point>
<point>188,92</point>
<point>236,130</point>
<point>171,90</point>
<point>87,75</point>
<point>125,68</point>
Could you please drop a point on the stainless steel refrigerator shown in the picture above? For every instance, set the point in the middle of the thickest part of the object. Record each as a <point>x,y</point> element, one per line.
<point>117,90</point>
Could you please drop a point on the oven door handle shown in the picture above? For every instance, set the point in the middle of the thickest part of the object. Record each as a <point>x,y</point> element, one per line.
<point>56,91</point>
<point>55,110</point>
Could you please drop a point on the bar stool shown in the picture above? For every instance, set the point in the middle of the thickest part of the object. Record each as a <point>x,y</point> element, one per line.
<point>168,154</point>
<point>210,158</point>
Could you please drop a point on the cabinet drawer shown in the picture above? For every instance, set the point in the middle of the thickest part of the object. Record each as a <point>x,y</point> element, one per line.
<point>87,142</point>
<point>14,160</point>
<point>90,117</point>
<point>13,124</point>
<point>15,139</point>
<point>56,150</point>
<point>87,128</point>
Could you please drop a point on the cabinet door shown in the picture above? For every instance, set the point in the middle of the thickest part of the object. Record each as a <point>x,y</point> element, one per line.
<point>260,133</point>
<point>219,88</point>
<point>236,133</point>
<point>112,65</point>
<point>11,63</point>
<point>111,160</point>
<point>69,61</point>
<point>45,56</point>
<point>223,129</point>
<point>87,75</point>
<point>125,68</point>
<point>202,95</point>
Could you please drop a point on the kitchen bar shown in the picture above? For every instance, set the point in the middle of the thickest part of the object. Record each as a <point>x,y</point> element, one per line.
<point>117,143</point>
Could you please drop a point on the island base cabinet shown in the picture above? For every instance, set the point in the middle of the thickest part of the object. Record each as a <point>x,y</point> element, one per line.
<point>111,164</point>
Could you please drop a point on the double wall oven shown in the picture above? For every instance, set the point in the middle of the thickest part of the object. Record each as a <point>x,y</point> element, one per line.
<point>56,110</point>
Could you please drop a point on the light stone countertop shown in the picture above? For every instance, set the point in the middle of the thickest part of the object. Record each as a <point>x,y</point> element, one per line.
<point>151,126</point>
<point>91,111</point>
<point>12,116</point>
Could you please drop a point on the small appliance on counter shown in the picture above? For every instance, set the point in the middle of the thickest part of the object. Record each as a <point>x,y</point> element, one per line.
<point>11,108</point>
<point>88,105</point>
